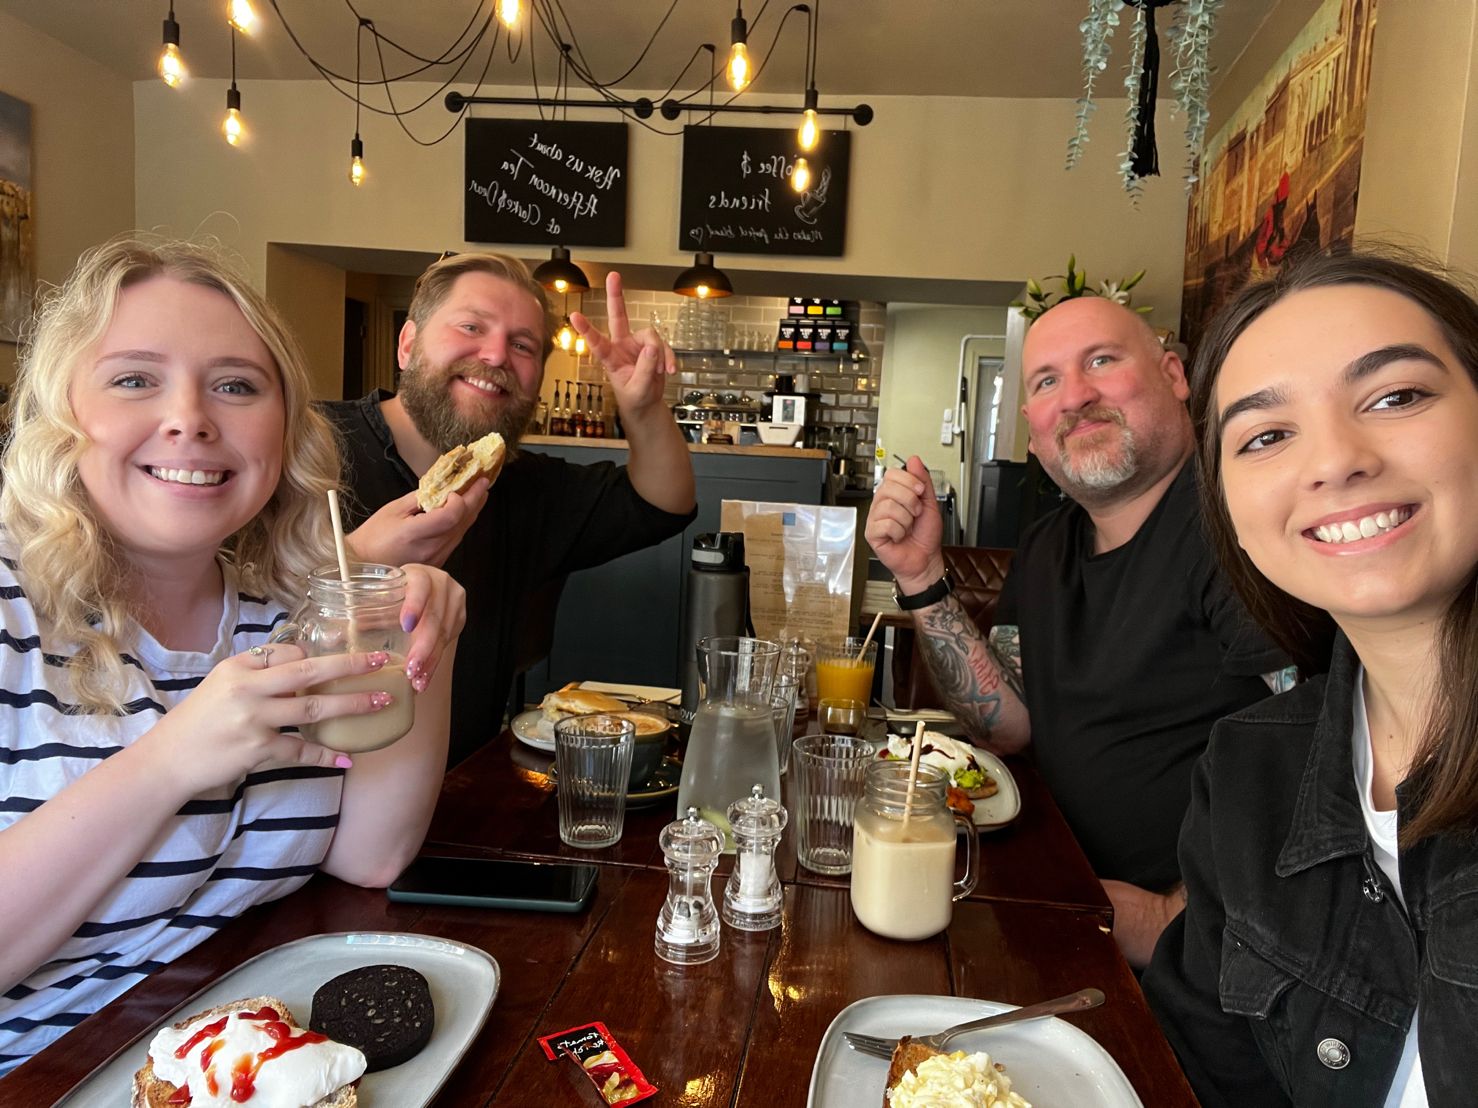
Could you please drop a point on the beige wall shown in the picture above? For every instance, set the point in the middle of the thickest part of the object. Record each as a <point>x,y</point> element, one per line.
<point>1419,176</point>
<point>303,288</point>
<point>941,187</point>
<point>82,146</point>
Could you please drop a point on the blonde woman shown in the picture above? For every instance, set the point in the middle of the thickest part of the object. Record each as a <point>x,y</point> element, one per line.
<point>163,502</point>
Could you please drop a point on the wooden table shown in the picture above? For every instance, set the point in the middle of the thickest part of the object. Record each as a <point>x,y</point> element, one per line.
<point>742,1030</point>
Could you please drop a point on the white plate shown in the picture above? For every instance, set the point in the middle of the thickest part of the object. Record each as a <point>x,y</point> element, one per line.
<point>526,730</point>
<point>1051,1063</point>
<point>1000,809</point>
<point>463,980</point>
<point>632,692</point>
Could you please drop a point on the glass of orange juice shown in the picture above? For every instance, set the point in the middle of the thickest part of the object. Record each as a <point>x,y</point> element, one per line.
<point>844,670</point>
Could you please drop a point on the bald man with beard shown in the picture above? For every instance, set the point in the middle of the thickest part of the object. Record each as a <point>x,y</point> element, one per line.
<point>1118,643</point>
<point>472,356</point>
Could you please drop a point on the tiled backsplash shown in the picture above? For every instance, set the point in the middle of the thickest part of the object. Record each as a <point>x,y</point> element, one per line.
<point>848,383</point>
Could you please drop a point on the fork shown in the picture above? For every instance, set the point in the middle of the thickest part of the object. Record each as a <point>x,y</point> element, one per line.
<point>1079,1001</point>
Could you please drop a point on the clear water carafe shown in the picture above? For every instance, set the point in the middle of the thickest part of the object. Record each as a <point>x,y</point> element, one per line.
<point>732,744</point>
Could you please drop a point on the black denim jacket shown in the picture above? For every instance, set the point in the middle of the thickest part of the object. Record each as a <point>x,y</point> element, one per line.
<point>1294,972</point>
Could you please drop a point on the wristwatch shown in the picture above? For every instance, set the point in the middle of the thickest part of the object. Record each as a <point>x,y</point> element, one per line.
<point>932,595</point>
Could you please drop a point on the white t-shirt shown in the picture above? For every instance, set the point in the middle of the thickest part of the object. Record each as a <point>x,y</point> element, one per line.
<point>1408,1090</point>
<point>251,841</point>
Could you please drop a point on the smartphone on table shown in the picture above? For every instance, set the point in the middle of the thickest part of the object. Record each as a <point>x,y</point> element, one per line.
<point>496,883</point>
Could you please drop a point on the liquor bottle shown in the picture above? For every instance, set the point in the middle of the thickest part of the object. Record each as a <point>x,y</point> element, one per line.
<point>557,416</point>
<point>569,412</point>
<point>579,419</point>
<point>597,423</point>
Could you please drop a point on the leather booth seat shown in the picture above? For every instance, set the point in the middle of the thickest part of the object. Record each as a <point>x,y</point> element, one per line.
<point>978,573</point>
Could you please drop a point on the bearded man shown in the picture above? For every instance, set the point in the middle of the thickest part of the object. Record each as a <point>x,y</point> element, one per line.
<point>472,356</point>
<point>1118,643</point>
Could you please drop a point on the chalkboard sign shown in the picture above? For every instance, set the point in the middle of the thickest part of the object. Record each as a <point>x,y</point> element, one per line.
<point>737,198</point>
<point>549,182</point>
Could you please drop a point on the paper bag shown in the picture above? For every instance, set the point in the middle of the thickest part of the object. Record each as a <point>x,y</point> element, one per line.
<point>800,559</point>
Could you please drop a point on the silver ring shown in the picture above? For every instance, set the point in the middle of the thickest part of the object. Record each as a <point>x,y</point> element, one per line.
<point>262,652</point>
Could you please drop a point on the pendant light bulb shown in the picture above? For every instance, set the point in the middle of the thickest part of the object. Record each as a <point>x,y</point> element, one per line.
<point>240,15</point>
<point>356,162</point>
<point>740,72</point>
<point>232,126</point>
<point>800,175</point>
<point>561,285</point>
<point>508,12</point>
<point>579,346</point>
<point>566,335</point>
<point>171,63</point>
<point>810,131</point>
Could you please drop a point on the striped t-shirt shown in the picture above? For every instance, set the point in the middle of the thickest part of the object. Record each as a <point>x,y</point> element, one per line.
<point>254,840</point>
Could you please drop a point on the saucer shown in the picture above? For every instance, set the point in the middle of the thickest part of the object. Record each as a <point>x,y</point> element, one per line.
<point>659,786</point>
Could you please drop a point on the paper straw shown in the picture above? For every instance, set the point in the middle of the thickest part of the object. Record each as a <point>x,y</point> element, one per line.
<point>913,770</point>
<point>871,631</point>
<point>333,512</point>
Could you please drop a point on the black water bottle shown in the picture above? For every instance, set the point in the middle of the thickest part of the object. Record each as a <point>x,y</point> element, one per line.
<point>717,600</point>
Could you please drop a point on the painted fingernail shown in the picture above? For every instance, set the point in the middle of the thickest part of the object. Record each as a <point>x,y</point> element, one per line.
<point>343,761</point>
<point>420,682</point>
<point>380,700</point>
<point>413,668</point>
<point>408,622</point>
<point>378,658</point>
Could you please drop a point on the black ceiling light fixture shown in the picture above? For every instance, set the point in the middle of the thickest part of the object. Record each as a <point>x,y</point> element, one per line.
<point>559,274</point>
<point>703,279</point>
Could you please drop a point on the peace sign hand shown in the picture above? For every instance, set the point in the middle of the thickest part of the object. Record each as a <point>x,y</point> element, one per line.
<point>635,363</point>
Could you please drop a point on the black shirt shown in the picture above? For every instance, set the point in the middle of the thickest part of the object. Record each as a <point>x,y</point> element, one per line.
<point>544,518</point>
<point>1128,658</point>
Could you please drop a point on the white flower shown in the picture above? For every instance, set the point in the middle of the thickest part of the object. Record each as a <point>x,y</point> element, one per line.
<point>1110,290</point>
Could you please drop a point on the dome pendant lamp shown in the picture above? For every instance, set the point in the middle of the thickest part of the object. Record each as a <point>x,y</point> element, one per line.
<point>561,275</point>
<point>703,279</point>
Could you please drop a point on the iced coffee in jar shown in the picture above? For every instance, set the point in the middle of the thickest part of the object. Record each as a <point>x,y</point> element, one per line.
<point>903,884</point>
<point>360,614</point>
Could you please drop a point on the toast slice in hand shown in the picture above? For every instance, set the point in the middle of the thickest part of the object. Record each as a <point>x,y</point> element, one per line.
<point>152,1091</point>
<point>459,467</point>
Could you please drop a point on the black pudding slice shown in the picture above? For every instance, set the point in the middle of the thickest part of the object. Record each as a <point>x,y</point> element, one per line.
<point>384,1011</point>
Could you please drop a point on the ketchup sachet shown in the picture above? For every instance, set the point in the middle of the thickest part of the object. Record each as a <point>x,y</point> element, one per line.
<point>602,1059</point>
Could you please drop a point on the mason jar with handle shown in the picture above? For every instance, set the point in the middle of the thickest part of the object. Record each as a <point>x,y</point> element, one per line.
<point>360,614</point>
<point>903,883</point>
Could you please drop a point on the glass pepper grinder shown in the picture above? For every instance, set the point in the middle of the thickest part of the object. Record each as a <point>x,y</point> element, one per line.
<point>687,926</point>
<point>753,897</point>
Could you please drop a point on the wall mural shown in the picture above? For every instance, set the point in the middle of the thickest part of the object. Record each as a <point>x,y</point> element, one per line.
<point>17,238</point>
<point>1283,173</point>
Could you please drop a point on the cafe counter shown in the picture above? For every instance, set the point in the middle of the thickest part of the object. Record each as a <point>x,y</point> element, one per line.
<point>622,621</point>
<point>541,443</point>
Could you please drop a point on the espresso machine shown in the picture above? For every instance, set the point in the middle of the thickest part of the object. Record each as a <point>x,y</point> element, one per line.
<point>794,413</point>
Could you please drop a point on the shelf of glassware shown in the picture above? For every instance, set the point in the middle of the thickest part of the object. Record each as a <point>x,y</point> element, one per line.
<point>839,356</point>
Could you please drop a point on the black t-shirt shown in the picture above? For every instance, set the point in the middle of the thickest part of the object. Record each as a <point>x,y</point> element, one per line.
<point>1128,658</point>
<point>544,518</point>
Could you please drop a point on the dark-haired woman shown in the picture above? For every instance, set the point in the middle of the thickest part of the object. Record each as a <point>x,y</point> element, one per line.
<point>1328,953</point>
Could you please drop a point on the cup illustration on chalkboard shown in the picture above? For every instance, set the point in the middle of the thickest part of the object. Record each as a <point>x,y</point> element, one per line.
<point>814,199</point>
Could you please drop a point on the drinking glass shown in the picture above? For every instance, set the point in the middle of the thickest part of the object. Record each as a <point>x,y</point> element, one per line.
<point>828,780</point>
<point>841,715</point>
<point>592,758</point>
<point>844,669</point>
<point>783,694</point>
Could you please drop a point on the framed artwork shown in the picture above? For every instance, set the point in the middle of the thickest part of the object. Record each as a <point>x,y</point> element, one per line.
<point>1283,173</point>
<point>17,228</point>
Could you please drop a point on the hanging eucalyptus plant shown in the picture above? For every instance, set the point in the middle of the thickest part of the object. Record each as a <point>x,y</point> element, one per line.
<point>1190,37</point>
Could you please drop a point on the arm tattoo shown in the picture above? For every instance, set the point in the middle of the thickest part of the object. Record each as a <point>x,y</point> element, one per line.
<point>961,663</point>
<point>1005,648</point>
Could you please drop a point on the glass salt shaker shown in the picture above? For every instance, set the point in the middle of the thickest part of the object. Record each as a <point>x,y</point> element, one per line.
<point>753,897</point>
<point>687,926</point>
